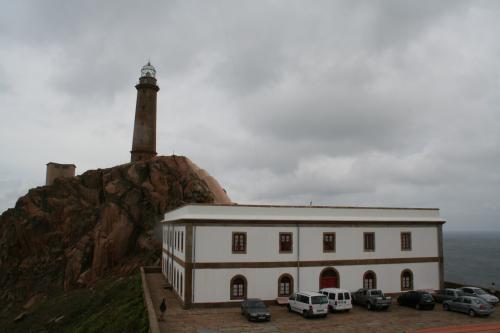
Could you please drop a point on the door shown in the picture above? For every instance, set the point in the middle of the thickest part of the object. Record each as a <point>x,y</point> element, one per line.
<point>328,279</point>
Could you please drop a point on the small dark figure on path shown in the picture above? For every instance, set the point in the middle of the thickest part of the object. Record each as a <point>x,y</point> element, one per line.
<point>163,308</point>
<point>492,289</point>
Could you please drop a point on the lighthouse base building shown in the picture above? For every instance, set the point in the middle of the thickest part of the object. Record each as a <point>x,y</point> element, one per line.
<point>216,255</point>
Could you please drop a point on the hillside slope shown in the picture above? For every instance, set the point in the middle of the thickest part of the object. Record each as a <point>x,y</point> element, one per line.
<point>81,229</point>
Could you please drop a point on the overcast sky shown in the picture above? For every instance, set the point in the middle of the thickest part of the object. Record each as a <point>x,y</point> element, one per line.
<point>385,103</point>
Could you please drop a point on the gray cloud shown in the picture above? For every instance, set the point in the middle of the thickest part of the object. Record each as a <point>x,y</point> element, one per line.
<point>391,103</point>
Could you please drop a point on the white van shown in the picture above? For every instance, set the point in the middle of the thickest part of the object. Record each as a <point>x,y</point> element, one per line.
<point>308,304</point>
<point>338,299</point>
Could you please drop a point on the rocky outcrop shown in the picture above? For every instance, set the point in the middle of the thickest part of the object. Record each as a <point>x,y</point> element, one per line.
<point>83,228</point>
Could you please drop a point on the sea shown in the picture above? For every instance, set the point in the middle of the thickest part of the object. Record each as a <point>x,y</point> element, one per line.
<point>472,258</point>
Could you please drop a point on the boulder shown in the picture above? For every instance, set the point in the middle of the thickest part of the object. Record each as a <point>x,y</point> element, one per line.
<point>81,229</point>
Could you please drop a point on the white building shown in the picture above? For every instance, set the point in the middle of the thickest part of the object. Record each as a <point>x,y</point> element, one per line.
<point>218,254</point>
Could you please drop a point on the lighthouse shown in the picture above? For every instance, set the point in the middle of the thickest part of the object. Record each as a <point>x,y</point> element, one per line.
<point>144,141</point>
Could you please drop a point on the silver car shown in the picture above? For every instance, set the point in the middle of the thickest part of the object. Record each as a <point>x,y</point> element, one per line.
<point>474,306</point>
<point>478,292</point>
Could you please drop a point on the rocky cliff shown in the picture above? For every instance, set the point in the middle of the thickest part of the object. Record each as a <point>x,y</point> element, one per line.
<point>83,228</point>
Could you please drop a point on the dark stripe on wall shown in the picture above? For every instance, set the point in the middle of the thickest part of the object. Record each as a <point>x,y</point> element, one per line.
<point>312,263</point>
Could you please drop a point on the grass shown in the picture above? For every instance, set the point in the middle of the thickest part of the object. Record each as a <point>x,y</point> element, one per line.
<point>114,305</point>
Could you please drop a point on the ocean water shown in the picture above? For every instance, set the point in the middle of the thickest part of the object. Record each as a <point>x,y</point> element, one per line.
<point>472,258</point>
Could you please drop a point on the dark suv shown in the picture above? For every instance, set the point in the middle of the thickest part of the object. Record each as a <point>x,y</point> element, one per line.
<point>417,299</point>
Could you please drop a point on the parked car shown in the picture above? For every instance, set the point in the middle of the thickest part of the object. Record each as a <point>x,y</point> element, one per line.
<point>447,294</point>
<point>478,292</point>
<point>338,299</point>
<point>308,304</point>
<point>371,298</point>
<point>474,306</point>
<point>418,299</point>
<point>255,309</point>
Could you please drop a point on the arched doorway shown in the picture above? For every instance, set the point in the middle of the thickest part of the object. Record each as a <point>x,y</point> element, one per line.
<point>329,278</point>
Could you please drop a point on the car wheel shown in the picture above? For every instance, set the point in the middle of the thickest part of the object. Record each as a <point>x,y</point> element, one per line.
<point>417,307</point>
<point>368,306</point>
<point>304,314</point>
<point>289,308</point>
<point>399,302</point>
<point>446,307</point>
<point>472,313</point>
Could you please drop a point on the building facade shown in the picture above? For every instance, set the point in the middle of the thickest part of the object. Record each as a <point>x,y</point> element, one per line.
<point>220,254</point>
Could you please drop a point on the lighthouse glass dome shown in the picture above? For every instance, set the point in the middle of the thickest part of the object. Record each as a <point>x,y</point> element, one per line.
<point>148,70</point>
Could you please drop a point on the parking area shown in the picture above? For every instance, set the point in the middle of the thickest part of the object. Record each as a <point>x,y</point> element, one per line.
<point>396,319</point>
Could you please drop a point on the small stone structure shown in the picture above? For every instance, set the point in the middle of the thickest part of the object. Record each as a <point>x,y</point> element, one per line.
<point>58,170</point>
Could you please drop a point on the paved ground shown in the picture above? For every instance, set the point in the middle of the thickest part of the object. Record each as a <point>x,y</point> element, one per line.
<point>229,320</point>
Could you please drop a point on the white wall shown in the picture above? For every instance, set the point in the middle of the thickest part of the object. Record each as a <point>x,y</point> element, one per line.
<point>213,285</point>
<point>213,244</point>
<point>349,243</point>
<point>425,275</point>
<point>182,276</point>
<point>180,252</point>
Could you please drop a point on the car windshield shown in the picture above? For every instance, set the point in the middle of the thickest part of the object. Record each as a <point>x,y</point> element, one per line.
<point>480,291</point>
<point>319,300</point>
<point>376,293</point>
<point>256,304</point>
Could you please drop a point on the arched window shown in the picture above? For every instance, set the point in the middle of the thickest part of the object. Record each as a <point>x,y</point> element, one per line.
<point>369,280</point>
<point>238,287</point>
<point>285,285</point>
<point>406,280</point>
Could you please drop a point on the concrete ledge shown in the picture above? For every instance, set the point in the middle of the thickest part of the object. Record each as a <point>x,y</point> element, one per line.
<point>154,327</point>
<point>152,269</point>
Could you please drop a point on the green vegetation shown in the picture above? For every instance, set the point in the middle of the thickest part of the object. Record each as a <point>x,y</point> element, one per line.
<point>113,305</point>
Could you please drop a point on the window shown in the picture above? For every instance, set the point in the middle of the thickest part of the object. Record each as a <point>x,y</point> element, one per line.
<point>369,241</point>
<point>369,280</point>
<point>238,287</point>
<point>328,242</point>
<point>182,240</point>
<point>239,242</point>
<point>285,285</point>
<point>406,241</point>
<point>175,240</point>
<point>406,280</point>
<point>285,242</point>
<point>180,293</point>
<point>303,299</point>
